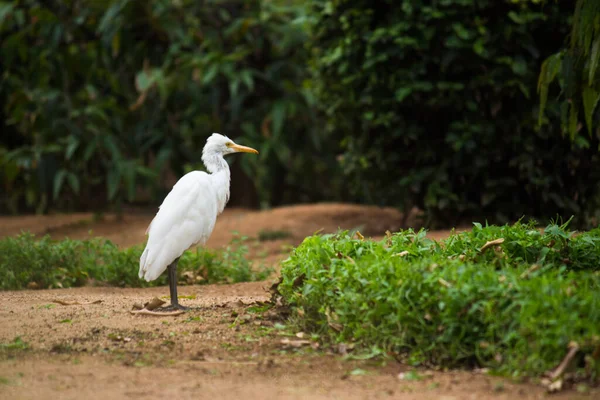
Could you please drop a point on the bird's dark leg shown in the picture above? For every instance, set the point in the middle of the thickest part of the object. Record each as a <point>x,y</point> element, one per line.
<point>172,274</point>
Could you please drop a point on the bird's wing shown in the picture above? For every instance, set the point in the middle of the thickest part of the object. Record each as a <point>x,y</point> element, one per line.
<point>187,216</point>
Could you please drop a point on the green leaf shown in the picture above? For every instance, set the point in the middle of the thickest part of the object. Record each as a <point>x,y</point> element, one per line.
<point>113,180</point>
<point>11,170</point>
<point>278,115</point>
<point>30,196</point>
<point>116,44</point>
<point>402,93</point>
<point>210,74</point>
<point>246,77</point>
<point>73,182</point>
<point>71,147</point>
<point>110,17</point>
<point>516,18</point>
<point>144,80</point>
<point>479,47</point>
<point>461,31</point>
<point>519,66</point>
<point>5,9</point>
<point>594,58</point>
<point>162,158</point>
<point>145,171</point>
<point>550,68</point>
<point>59,178</point>
<point>90,149</point>
<point>110,143</point>
<point>233,87</point>
<point>569,75</point>
<point>129,177</point>
<point>573,119</point>
<point>590,100</point>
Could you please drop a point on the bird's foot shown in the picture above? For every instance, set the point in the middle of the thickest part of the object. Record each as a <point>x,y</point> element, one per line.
<point>173,307</point>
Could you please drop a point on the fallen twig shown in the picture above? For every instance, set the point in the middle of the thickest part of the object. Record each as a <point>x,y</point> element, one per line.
<point>75,303</point>
<point>295,343</point>
<point>531,269</point>
<point>299,343</point>
<point>388,236</point>
<point>490,244</point>
<point>444,282</point>
<point>574,348</point>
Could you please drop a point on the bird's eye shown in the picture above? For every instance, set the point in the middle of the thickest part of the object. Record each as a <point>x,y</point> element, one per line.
<point>229,144</point>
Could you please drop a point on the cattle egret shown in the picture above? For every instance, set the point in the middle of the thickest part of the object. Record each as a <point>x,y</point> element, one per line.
<point>188,214</point>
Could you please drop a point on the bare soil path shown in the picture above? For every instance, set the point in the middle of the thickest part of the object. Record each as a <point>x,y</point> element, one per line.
<point>222,348</point>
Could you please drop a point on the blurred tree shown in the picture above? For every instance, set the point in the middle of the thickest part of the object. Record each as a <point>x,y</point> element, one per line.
<point>434,105</point>
<point>576,70</point>
<point>101,97</point>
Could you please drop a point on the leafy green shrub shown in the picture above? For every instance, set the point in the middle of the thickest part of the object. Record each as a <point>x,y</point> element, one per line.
<point>98,98</point>
<point>230,265</point>
<point>513,306</point>
<point>576,70</point>
<point>28,262</point>
<point>435,106</point>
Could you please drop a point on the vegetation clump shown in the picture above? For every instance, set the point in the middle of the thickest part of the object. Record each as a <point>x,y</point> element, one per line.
<point>29,262</point>
<point>382,69</point>
<point>511,298</point>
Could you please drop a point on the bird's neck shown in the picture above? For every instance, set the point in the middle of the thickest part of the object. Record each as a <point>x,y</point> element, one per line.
<point>220,175</point>
<point>215,162</point>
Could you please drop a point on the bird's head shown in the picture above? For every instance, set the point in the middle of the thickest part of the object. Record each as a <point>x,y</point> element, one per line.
<point>221,144</point>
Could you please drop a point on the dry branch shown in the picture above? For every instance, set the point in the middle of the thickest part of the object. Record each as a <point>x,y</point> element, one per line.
<point>574,348</point>
<point>75,303</point>
<point>490,244</point>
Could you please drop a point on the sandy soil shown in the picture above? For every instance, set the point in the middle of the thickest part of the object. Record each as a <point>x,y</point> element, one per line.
<point>222,348</point>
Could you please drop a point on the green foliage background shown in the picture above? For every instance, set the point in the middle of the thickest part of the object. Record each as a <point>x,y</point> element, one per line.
<point>100,96</point>
<point>576,69</point>
<point>402,103</point>
<point>436,106</point>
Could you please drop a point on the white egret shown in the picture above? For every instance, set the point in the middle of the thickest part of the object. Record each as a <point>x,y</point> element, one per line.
<point>188,214</point>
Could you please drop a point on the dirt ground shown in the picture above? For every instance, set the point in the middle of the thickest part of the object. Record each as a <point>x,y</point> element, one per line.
<point>222,348</point>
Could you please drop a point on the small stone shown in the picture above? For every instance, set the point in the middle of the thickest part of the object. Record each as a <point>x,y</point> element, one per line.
<point>33,285</point>
<point>555,386</point>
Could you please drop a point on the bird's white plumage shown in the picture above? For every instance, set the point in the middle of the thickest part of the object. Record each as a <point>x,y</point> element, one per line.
<point>188,214</point>
<point>185,218</point>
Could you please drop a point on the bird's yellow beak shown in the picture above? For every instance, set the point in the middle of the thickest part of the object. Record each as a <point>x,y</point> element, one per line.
<point>243,149</point>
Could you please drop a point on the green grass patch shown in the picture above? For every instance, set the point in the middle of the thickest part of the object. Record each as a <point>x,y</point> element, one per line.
<point>16,344</point>
<point>513,306</point>
<point>267,235</point>
<point>29,262</point>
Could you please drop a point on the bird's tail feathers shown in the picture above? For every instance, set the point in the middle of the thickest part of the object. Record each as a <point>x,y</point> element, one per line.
<point>153,263</point>
<point>143,266</point>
